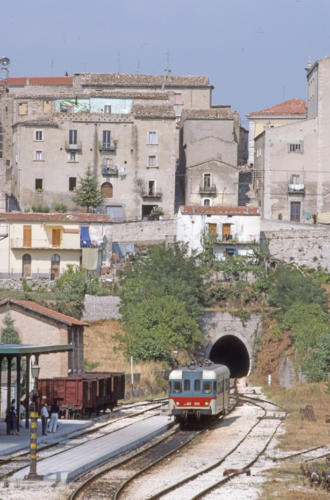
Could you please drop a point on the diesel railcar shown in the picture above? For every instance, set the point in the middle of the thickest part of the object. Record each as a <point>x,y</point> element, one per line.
<point>199,391</point>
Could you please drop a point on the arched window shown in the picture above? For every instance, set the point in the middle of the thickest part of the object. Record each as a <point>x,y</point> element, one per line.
<point>107,190</point>
<point>26,265</point>
<point>206,202</point>
<point>55,266</point>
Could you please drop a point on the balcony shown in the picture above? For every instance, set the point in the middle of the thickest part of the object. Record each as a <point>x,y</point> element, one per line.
<point>45,244</point>
<point>73,147</point>
<point>108,147</point>
<point>296,188</point>
<point>205,189</point>
<point>109,171</point>
<point>151,194</point>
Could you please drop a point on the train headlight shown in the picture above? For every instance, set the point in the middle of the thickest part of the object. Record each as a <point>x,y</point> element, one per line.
<point>206,403</point>
<point>177,403</point>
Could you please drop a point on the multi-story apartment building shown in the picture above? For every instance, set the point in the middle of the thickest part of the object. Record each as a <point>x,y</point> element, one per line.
<point>291,172</point>
<point>212,148</point>
<point>124,127</point>
<point>284,113</point>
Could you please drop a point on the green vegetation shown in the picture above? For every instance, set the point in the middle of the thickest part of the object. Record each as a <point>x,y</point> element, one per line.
<point>41,209</point>
<point>70,290</point>
<point>60,207</point>
<point>162,298</point>
<point>87,193</point>
<point>9,335</point>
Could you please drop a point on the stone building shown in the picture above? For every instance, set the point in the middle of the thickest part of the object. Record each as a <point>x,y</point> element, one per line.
<point>124,127</point>
<point>292,175</point>
<point>212,146</point>
<point>281,114</point>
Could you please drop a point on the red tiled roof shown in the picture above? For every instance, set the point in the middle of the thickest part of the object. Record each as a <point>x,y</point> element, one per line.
<point>69,218</point>
<point>133,79</point>
<point>37,80</point>
<point>45,311</point>
<point>294,107</point>
<point>144,111</point>
<point>218,210</point>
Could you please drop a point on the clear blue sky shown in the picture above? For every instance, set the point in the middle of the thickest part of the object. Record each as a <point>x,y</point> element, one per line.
<point>254,51</point>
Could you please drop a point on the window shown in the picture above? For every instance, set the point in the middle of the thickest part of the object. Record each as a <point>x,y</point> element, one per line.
<point>186,385</point>
<point>27,236</point>
<point>206,202</point>
<point>107,190</point>
<point>107,109</point>
<point>23,108</point>
<point>207,180</point>
<point>47,107</point>
<point>177,386</point>
<point>55,266</point>
<point>197,385</point>
<point>207,387</point>
<point>72,183</point>
<point>38,185</point>
<point>297,147</point>
<point>73,136</point>
<point>151,187</point>
<point>295,179</point>
<point>73,156</point>
<point>38,156</point>
<point>152,137</point>
<point>152,161</point>
<point>212,228</point>
<point>38,135</point>
<point>226,232</point>
<point>56,238</point>
<point>106,136</point>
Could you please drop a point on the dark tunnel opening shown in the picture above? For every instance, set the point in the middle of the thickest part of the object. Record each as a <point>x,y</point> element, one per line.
<point>232,352</point>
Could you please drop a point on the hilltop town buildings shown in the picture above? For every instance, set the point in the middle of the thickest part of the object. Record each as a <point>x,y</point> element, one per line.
<point>291,162</point>
<point>126,128</point>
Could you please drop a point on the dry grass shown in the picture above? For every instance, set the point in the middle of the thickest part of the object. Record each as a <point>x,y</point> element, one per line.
<point>101,346</point>
<point>288,483</point>
<point>303,433</point>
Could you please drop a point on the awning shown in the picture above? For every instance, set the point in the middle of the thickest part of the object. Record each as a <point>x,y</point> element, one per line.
<point>85,240</point>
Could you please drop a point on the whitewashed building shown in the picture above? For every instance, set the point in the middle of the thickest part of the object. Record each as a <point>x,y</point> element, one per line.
<point>235,228</point>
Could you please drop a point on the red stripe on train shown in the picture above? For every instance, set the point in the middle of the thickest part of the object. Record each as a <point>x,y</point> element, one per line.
<point>191,402</point>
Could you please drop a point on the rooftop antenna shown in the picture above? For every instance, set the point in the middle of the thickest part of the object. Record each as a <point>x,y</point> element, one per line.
<point>167,69</point>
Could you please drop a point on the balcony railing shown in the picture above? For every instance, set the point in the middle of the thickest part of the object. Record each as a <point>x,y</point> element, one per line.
<point>204,189</point>
<point>106,170</point>
<point>296,188</point>
<point>73,147</point>
<point>40,243</point>
<point>147,193</point>
<point>108,146</point>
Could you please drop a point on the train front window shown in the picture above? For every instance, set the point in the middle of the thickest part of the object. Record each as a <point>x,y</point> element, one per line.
<point>214,387</point>
<point>197,385</point>
<point>186,385</point>
<point>177,387</point>
<point>207,387</point>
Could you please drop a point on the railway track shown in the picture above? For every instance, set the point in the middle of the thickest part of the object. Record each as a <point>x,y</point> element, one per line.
<point>111,481</point>
<point>137,411</point>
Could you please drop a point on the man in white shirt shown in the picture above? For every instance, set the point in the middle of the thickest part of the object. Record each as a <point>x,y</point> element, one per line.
<point>44,417</point>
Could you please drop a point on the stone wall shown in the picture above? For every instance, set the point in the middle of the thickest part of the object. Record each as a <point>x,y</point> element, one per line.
<point>98,308</point>
<point>309,247</point>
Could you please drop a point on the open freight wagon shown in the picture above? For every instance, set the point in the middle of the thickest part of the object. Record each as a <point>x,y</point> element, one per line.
<point>83,395</point>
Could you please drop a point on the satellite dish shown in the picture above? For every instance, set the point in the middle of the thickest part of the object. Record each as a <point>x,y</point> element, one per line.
<point>5,61</point>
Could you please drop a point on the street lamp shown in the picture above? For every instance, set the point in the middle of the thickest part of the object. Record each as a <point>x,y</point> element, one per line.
<point>4,63</point>
<point>33,476</point>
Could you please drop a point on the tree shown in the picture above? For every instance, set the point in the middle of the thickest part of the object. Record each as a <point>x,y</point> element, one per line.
<point>9,335</point>
<point>317,362</point>
<point>161,302</point>
<point>157,325</point>
<point>291,286</point>
<point>70,291</point>
<point>87,193</point>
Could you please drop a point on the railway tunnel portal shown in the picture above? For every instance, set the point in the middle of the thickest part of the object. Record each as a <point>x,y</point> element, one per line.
<point>230,341</point>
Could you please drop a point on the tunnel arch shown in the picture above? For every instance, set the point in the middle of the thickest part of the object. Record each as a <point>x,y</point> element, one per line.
<point>229,350</point>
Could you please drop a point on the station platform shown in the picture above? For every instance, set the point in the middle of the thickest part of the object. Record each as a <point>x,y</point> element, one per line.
<point>66,466</point>
<point>15,443</point>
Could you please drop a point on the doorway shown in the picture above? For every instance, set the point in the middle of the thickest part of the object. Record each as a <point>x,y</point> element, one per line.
<point>55,266</point>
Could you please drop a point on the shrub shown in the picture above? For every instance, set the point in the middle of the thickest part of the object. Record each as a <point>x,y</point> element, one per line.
<point>60,207</point>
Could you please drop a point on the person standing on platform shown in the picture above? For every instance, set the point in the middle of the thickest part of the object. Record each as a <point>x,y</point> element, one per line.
<point>54,411</point>
<point>21,413</point>
<point>44,417</point>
